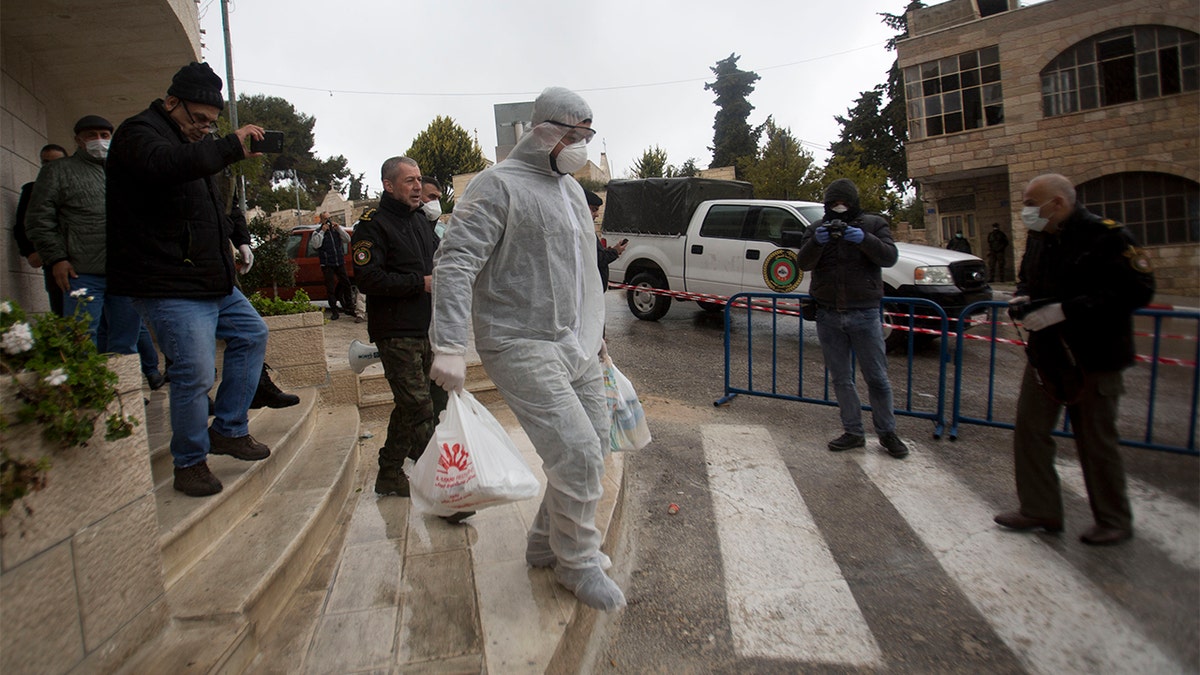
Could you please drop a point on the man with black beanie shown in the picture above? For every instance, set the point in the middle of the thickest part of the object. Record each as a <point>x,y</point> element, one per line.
<point>846,253</point>
<point>169,249</point>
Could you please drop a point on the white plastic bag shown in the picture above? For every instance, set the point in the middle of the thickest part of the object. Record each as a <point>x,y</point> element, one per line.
<point>629,430</point>
<point>470,463</point>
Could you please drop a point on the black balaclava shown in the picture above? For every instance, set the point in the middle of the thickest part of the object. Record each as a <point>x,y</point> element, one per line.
<point>843,190</point>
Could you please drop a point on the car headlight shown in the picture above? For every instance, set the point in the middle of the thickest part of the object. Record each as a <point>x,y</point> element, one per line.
<point>933,276</point>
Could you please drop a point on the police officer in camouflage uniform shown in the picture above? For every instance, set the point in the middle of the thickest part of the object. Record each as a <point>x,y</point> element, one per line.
<point>1081,278</point>
<point>392,250</point>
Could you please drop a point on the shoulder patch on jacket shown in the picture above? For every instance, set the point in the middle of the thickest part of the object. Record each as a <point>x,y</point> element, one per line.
<point>1110,224</point>
<point>362,252</point>
<point>1139,260</point>
<point>367,215</point>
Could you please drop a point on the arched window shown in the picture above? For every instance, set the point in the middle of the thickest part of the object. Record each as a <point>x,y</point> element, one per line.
<point>1158,208</point>
<point>1125,64</point>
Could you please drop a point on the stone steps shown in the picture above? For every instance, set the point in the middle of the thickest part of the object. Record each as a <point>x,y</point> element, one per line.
<point>375,396</point>
<point>233,560</point>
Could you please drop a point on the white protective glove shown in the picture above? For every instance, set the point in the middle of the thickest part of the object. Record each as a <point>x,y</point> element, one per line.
<point>247,259</point>
<point>449,371</point>
<point>1045,317</point>
<point>1018,300</point>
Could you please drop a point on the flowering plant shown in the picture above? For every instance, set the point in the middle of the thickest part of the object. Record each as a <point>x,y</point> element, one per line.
<point>62,382</point>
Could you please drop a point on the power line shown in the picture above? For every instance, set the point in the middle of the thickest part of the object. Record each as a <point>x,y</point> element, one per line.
<point>496,94</point>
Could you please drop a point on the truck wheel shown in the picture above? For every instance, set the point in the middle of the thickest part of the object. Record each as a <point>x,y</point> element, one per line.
<point>645,305</point>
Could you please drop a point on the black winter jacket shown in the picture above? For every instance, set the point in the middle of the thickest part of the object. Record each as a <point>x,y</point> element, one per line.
<point>1093,267</point>
<point>168,233</point>
<point>392,249</point>
<point>846,275</point>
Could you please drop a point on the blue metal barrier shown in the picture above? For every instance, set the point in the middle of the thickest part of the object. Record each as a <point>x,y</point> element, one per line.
<point>767,302</point>
<point>1146,440</point>
<point>932,320</point>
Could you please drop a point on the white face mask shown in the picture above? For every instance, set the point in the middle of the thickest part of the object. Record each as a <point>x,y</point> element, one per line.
<point>571,158</point>
<point>97,147</point>
<point>432,209</point>
<point>840,208</point>
<point>1032,217</point>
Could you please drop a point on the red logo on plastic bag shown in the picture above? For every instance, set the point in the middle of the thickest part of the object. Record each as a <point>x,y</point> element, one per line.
<point>455,457</point>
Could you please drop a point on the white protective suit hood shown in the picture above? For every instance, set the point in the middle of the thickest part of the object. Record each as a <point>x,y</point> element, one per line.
<point>553,104</point>
<point>522,238</point>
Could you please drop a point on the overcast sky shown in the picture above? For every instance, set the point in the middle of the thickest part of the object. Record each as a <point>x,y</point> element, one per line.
<point>374,73</point>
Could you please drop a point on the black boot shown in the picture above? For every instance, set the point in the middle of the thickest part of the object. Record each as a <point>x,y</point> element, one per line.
<point>269,395</point>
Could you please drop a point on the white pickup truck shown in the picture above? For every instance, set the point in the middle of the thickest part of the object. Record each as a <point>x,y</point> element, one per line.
<point>683,235</point>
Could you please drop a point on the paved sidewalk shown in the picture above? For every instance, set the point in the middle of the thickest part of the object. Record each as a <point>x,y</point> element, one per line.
<point>396,591</point>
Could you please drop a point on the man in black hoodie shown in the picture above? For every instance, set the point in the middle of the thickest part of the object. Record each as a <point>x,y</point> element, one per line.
<point>846,253</point>
<point>169,248</point>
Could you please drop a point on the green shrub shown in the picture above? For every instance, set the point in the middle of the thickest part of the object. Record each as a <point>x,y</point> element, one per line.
<point>299,304</point>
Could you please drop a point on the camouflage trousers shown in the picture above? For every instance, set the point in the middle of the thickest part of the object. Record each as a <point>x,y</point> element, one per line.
<point>418,400</point>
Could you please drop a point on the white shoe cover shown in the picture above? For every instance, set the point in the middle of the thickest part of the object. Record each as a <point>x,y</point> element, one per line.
<point>592,587</point>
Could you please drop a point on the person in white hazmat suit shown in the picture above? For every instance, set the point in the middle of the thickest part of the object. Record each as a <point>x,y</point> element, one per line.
<point>518,262</point>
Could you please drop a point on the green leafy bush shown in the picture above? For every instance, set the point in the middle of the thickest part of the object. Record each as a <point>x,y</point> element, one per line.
<point>299,304</point>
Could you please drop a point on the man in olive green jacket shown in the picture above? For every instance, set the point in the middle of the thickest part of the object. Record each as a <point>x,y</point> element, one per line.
<point>66,223</point>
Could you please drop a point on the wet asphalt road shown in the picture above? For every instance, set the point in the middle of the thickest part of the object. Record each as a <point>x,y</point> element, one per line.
<point>921,606</point>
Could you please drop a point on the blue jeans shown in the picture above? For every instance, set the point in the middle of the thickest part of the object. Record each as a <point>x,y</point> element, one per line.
<point>121,319</point>
<point>147,352</point>
<point>188,330</point>
<point>859,330</point>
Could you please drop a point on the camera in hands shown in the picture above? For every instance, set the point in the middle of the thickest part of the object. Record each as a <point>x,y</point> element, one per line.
<point>835,228</point>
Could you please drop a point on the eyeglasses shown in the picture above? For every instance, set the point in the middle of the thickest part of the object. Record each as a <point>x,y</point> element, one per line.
<point>211,124</point>
<point>576,133</point>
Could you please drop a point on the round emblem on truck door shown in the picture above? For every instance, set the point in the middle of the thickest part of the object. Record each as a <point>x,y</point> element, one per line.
<point>781,272</point>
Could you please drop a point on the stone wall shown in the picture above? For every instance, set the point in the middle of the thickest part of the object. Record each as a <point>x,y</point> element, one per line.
<point>296,349</point>
<point>81,582</point>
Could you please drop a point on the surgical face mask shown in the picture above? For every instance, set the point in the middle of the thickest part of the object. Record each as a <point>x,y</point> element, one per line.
<point>840,208</point>
<point>571,158</point>
<point>1032,217</point>
<point>432,209</point>
<point>97,147</point>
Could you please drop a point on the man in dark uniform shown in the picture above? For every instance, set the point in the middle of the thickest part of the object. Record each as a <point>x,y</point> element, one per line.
<point>997,243</point>
<point>1080,280</point>
<point>392,250</point>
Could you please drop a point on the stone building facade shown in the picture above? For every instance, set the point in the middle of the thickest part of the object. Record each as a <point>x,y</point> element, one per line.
<point>1104,93</point>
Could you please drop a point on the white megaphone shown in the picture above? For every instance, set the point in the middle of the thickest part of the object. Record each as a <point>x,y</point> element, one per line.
<point>362,355</point>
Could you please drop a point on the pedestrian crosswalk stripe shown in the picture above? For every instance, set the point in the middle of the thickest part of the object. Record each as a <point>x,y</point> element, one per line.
<point>1171,524</point>
<point>1049,615</point>
<point>785,593</point>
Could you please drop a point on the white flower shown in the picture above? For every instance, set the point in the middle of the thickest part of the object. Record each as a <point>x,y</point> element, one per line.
<point>56,377</point>
<point>79,293</point>
<point>5,307</point>
<point>17,339</point>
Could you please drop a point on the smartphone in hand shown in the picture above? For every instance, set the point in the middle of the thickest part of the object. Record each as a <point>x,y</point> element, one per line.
<point>272,142</point>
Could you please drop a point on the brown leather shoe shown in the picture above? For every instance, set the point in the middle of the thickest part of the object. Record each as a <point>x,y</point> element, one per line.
<point>244,448</point>
<point>196,480</point>
<point>1015,520</point>
<point>1105,536</point>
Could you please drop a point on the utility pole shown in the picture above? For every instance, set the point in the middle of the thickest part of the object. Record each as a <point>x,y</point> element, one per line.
<point>296,184</point>
<point>233,116</point>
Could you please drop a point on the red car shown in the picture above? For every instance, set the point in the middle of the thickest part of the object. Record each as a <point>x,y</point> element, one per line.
<point>308,266</point>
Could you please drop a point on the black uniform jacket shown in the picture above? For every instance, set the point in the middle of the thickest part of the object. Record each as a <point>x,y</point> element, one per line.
<point>168,233</point>
<point>1094,268</point>
<point>392,250</point>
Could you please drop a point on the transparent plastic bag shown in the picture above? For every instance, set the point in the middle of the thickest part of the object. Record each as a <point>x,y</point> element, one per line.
<point>629,430</point>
